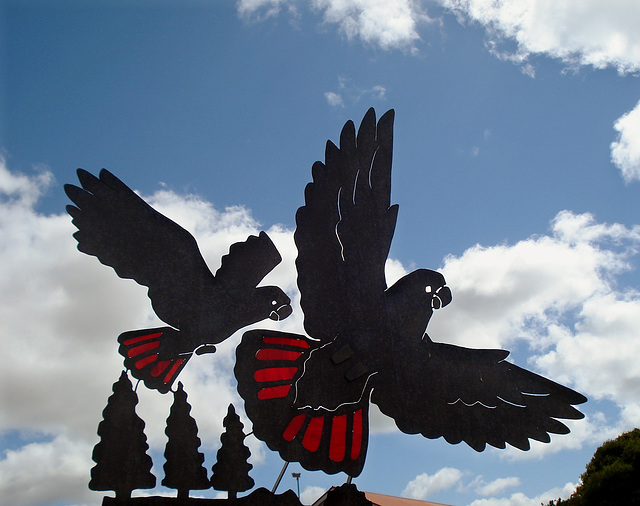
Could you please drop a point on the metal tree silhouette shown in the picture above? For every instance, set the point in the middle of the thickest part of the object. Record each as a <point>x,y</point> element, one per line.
<point>183,469</point>
<point>231,471</point>
<point>122,463</point>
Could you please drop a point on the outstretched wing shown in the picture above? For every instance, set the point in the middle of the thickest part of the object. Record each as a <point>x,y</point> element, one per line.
<point>344,230</point>
<point>124,232</point>
<point>473,396</point>
<point>248,263</point>
<point>268,366</point>
<point>145,355</point>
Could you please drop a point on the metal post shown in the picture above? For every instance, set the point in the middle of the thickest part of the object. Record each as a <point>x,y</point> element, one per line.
<point>284,468</point>
<point>297,477</point>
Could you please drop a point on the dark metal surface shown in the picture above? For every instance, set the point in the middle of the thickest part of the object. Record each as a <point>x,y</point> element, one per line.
<point>231,471</point>
<point>122,462</point>
<point>308,397</point>
<point>124,232</point>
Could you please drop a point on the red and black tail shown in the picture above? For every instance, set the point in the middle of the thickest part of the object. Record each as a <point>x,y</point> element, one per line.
<point>146,357</point>
<point>268,365</point>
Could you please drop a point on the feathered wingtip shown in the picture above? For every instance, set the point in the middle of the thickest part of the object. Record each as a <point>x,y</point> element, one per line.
<point>257,252</point>
<point>268,365</point>
<point>373,144</point>
<point>142,351</point>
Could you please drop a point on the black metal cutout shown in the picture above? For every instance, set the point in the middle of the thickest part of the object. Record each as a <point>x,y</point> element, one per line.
<point>124,232</point>
<point>308,397</point>
<point>122,463</point>
<point>183,468</point>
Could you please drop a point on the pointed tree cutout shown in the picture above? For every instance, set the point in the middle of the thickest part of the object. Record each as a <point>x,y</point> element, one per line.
<point>122,463</point>
<point>183,469</point>
<point>231,471</point>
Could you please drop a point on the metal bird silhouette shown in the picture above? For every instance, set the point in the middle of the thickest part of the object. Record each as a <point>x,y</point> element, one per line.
<point>124,232</point>
<point>308,396</point>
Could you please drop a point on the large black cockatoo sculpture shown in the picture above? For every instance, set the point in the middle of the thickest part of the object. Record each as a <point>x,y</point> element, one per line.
<point>124,232</point>
<point>308,396</point>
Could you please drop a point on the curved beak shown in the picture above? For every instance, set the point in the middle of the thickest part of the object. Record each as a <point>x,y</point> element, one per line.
<point>281,313</point>
<point>441,298</point>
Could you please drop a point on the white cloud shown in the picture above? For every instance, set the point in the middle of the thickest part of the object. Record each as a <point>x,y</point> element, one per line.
<point>353,93</point>
<point>310,494</point>
<point>625,151</point>
<point>47,473</point>
<point>378,22</point>
<point>265,8</point>
<point>424,485</point>
<point>579,32</point>
<point>497,486</point>
<point>26,190</point>
<point>388,25</point>
<point>60,314</point>
<point>334,99</point>
<point>519,499</point>
<point>558,294</point>
<point>61,311</point>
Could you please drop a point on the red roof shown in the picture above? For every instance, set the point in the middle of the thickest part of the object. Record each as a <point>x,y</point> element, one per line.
<point>385,500</point>
<point>389,500</point>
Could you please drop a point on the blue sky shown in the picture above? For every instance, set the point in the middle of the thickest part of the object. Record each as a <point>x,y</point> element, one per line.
<point>516,168</point>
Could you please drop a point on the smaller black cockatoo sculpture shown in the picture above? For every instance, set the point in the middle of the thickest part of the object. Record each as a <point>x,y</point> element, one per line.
<point>124,232</point>
<point>308,396</point>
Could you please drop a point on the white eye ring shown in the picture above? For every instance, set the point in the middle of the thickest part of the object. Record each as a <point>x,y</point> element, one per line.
<point>274,302</point>
<point>427,289</point>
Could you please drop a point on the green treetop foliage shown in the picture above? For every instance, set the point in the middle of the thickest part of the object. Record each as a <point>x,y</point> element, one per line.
<point>612,477</point>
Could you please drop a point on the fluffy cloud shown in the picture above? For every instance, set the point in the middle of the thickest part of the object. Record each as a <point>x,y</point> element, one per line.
<point>46,473</point>
<point>583,32</point>
<point>446,478</point>
<point>379,22</point>
<point>424,485</point>
<point>60,313</point>
<point>497,486</point>
<point>351,93</point>
<point>334,99</point>
<point>388,25</point>
<point>625,151</point>
<point>519,499</point>
<point>262,8</point>
<point>310,494</point>
<point>558,295</point>
<point>579,32</point>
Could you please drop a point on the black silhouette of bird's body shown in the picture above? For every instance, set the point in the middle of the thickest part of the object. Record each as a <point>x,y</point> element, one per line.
<point>124,232</point>
<point>308,396</point>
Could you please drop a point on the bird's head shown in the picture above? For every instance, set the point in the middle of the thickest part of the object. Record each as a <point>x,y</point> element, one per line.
<point>278,302</point>
<point>413,298</point>
<point>423,287</point>
<point>435,287</point>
